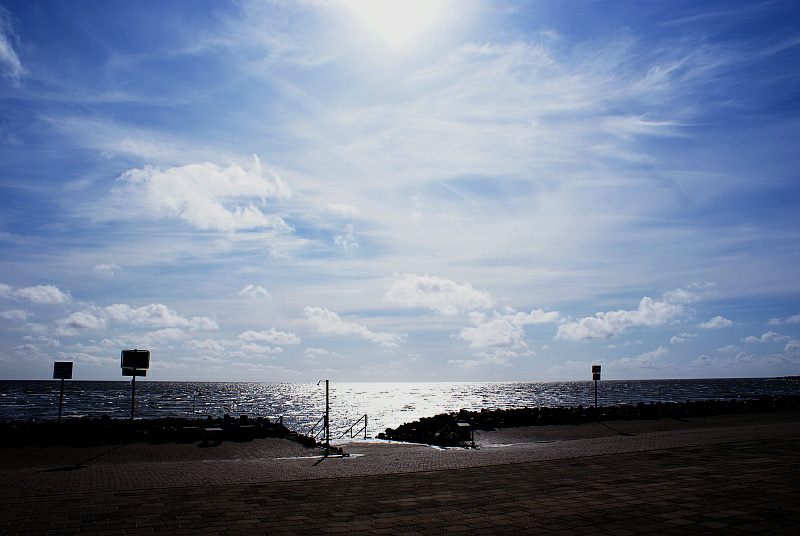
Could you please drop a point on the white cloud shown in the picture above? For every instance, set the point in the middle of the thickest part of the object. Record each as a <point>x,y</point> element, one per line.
<point>77,321</point>
<point>255,292</point>
<point>346,241</point>
<point>205,195</point>
<point>107,269</point>
<point>650,313</point>
<point>623,345</point>
<point>159,337</point>
<point>318,353</point>
<point>792,348</point>
<point>86,358</point>
<point>729,349</point>
<point>40,294</point>
<point>779,321</point>
<point>155,315</point>
<point>203,359</point>
<point>344,210</point>
<point>207,345</point>
<point>326,321</point>
<point>9,60</point>
<point>441,295</point>
<point>690,294</point>
<point>19,315</point>
<point>503,330</point>
<point>769,336</point>
<point>253,348</point>
<point>683,337</point>
<point>715,323</point>
<point>271,335</point>
<point>681,296</point>
<point>648,360</point>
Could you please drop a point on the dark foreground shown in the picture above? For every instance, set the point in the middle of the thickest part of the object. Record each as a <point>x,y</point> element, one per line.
<point>725,475</point>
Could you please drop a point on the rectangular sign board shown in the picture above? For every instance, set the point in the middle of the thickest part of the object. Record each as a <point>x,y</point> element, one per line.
<point>134,372</point>
<point>595,369</point>
<point>62,370</point>
<point>136,359</point>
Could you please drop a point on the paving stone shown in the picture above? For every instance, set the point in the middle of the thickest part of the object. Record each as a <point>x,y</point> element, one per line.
<point>736,478</point>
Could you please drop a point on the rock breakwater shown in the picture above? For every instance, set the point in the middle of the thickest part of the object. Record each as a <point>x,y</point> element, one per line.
<point>445,429</point>
<point>105,430</point>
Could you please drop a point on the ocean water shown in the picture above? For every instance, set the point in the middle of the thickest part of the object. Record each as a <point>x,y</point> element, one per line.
<point>387,404</point>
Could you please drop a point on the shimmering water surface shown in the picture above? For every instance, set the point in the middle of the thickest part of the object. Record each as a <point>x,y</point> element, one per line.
<point>386,404</point>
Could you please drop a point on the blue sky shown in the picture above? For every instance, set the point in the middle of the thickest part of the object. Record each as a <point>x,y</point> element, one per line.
<point>289,191</point>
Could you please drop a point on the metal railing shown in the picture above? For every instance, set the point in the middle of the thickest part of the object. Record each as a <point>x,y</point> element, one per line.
<point>321,431</point>
<point>356,432</point>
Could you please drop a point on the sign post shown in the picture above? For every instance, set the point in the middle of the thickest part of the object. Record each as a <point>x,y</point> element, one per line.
<point>134,363</point>
<point>62,370</point>
<point>596,378</point>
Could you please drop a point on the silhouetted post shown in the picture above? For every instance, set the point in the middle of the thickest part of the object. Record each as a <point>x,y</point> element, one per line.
<point>61,400</point>
<point>133,392</point>
<point>134,363</point>
<point>327,418</point>
<point>596,378</point>
<point>62,370</point>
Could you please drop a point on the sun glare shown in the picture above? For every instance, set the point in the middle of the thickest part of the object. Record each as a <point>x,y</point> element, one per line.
<point>398,22</point>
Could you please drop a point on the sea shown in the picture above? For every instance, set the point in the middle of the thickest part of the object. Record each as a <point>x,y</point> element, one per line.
<point>301,406</point>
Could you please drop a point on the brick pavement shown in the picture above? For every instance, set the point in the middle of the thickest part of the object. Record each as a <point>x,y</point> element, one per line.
<point>726,479</point>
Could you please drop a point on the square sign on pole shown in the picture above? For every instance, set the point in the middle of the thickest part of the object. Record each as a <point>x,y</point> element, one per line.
<point>136,359</point>
<point>595,372</point>
<point>134,363</point>
<point>595,377</point>
<point>62,370</point>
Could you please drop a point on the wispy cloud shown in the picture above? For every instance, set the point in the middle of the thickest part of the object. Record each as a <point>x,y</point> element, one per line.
<point>272,335</point>
<point>504,329</point>
<point>202,195</point>
<point>779,321</point>
<point>255,292</point>
<point>107,268</point>
<point>716,323</point>
<point>325,321</point>
<point>10,64</point>
<point>39,294</point>
<point>441,295</point>
<point>603,325</point>
<point>769,336</point>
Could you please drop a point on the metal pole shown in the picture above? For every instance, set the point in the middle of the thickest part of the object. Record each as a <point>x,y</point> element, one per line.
<point>366,422</point>
<point>61,400</point>
<point>133,392</point>
<point>327,419</point>
<point>595,394</point>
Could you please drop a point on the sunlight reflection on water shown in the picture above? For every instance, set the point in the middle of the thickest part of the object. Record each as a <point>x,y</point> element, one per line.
<point>387,404</point>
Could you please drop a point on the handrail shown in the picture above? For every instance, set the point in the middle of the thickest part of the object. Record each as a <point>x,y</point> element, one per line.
<point>352,433</point>
<point>322,430</point>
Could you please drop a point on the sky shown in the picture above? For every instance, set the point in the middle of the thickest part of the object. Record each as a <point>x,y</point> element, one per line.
<point>400,191</point>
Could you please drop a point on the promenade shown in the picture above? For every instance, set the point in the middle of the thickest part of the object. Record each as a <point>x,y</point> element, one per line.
<point>717,475</point>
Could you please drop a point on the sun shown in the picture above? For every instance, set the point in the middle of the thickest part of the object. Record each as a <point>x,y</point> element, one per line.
<point>398,22</point>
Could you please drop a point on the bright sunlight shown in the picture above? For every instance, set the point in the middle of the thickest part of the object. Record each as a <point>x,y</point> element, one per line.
<point>397,22</point>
